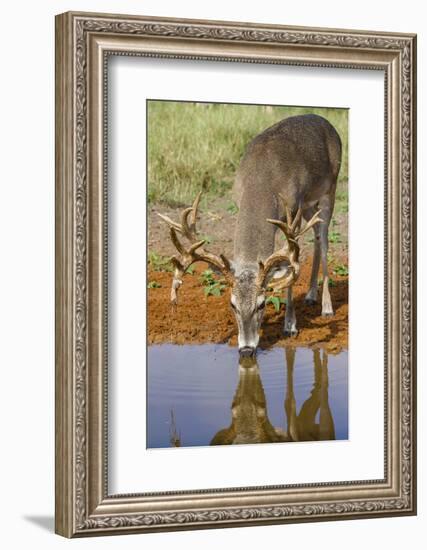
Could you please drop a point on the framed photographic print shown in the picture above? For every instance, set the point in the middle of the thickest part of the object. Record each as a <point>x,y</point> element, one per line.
<point>235,274</point>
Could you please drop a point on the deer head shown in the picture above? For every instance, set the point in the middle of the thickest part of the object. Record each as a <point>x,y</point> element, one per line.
<point>248,283</point>
<point>249,415</point>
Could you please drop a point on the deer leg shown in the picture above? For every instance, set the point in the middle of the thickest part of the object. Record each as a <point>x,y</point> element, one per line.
<point>311,296</point>
<point>307,415</point>
<point>290,402</point>
<point>327,309</point>
<point>326,420</point>
<point>290,327</point>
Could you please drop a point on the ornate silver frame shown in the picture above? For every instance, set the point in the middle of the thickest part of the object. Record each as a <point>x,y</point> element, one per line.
<point>83,505</point>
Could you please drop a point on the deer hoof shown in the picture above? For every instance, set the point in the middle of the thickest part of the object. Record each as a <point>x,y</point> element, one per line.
<point>327,314</point>
<point>289,332</point>
<point>310,301</point>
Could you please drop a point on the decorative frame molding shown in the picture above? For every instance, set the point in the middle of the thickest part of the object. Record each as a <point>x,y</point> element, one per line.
<point>83,43</point>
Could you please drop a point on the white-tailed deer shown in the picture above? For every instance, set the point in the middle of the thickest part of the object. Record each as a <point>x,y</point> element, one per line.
<point>288,173</point>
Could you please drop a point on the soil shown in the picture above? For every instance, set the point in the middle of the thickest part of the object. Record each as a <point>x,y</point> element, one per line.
<point>201,319</point>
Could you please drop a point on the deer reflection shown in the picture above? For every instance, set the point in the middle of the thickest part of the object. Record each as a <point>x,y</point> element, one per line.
<point>249,414</point>
<point>303,426</point>
<point>249,418</point>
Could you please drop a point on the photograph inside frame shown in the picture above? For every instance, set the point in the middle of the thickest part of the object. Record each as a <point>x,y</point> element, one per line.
<point>248,274</point>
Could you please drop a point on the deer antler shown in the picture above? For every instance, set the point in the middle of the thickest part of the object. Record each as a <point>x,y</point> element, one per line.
<point>195,253</point>
<point>289,253</point>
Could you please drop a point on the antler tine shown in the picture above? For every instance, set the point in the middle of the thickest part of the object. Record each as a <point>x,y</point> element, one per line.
<point>289,231</point>
<point>188,230</point>
<point>282,255</point>
<point>181,263</point>
<point>226,263</point>
<point>288,214</point>
<point>176,241</point>
<point>170,222</point>
<point>195,207</point>
<point>293,224</point>
<point>195,252</point>
<point>189,226</point>
<point>284,227</point>
<point>292,232</point>
<point>195,246</point>
<point>297,219</point>
<point>289,254</point>
<point>315,219</point>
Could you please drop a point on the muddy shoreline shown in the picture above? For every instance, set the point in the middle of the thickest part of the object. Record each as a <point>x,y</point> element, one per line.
<point>201,319</point>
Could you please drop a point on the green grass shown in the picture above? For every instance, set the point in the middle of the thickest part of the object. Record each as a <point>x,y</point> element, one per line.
<point>194,146</point>
<point>341,205</point>
<point>341,199</point>
<point>232,208</point>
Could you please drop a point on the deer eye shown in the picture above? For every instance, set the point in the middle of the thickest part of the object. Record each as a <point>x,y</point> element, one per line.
<point>261,305</point>
<point>233,306</point>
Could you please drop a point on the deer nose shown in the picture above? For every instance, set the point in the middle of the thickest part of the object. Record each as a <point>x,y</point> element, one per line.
<point>246,351</point>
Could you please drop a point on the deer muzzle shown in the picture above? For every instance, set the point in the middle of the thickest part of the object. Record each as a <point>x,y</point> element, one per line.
<point>247,351</point>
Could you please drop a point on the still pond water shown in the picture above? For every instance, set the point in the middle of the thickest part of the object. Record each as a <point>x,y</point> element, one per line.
<point>201,395</point>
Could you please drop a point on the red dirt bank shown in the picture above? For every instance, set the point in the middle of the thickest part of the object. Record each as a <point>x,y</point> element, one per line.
<point>200,319</point>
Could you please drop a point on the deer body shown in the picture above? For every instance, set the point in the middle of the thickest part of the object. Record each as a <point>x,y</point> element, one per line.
<point>297,158</point>
<point>296,163</point>
<point>288,172</point>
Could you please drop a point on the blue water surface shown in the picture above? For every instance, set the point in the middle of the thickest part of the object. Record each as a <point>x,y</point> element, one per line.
<point>191,391</point>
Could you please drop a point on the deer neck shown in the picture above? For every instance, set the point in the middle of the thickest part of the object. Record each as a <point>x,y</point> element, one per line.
<point>254,236</point>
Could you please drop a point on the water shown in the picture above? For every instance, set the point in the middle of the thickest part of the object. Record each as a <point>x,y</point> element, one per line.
<point>201,395</point>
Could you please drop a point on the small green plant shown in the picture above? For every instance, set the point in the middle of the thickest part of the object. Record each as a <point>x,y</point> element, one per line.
<point>214,290</point>
<point>190,270</point>
<point>212,287</point>
<point>154,284</point>
<point>334,237</point>
<point>232,208</point>
<point>207,277</point>
<point>277,301</point>
<point>331,283</point>
<point>341,269</point>
<point>157,262</point>
<point>207,238</point>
